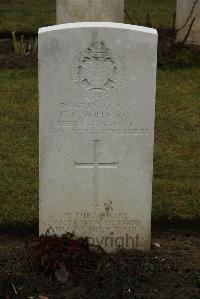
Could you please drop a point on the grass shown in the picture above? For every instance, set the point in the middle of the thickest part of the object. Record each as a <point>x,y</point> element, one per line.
<point>26,15</point>
<point>160,11</point>
<point>177,148</point>
<point>29,15</point>
<point>19,146</point>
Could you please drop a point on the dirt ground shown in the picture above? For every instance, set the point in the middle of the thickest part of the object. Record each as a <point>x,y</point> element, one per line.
<point>10,59</point>
<point>170,270</point>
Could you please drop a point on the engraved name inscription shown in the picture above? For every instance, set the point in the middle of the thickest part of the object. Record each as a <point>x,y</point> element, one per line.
<point>95,118</point>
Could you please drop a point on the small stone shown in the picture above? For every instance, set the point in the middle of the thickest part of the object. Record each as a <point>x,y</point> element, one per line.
<point>62,275</point>
<point>157,245</point>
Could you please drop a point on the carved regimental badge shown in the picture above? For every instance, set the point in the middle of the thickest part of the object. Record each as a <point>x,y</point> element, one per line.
<point>97,71</point>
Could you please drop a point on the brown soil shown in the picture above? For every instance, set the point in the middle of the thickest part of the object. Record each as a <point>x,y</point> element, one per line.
<point>9,59</point>
<point>170,270</point>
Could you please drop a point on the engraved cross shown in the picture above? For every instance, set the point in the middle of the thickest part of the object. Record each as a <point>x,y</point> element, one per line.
<point>95,165</point>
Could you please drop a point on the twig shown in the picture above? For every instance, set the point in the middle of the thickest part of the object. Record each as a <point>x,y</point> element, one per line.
<point>188,33</point>
<point>15,44</point>
<point>174,20</point>
<point>128,16</point>
<point>187,20</point>
<point>148,20</point>
<point>14,289</point>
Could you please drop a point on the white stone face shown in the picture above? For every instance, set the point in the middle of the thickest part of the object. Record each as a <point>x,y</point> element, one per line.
<point>97,86</point>
<point>184,8</point>
<point>69,11</point>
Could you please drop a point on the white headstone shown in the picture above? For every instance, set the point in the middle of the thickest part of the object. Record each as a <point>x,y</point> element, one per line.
<point>184,8</point>
<point>69,11</point>
<point>97,85</point>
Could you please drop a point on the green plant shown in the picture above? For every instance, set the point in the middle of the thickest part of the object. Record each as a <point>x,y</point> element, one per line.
<point>24,47</point>
<point>197,279</point>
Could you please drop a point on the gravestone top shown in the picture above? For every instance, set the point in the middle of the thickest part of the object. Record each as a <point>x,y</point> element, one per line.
<point>186,11</point>
<point>97,84</point>
<point>97,25</point>
<point>69,11</point>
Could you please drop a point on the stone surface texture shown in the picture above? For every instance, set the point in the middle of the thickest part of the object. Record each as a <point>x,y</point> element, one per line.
<point>69,11</point>
<point>97,84</point>
<point>184,8</point>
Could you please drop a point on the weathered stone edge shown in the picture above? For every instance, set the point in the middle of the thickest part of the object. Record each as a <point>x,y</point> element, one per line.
<point>98,25</point>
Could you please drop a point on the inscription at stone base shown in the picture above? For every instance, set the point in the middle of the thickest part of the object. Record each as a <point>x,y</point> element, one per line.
<point>114,223</point>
